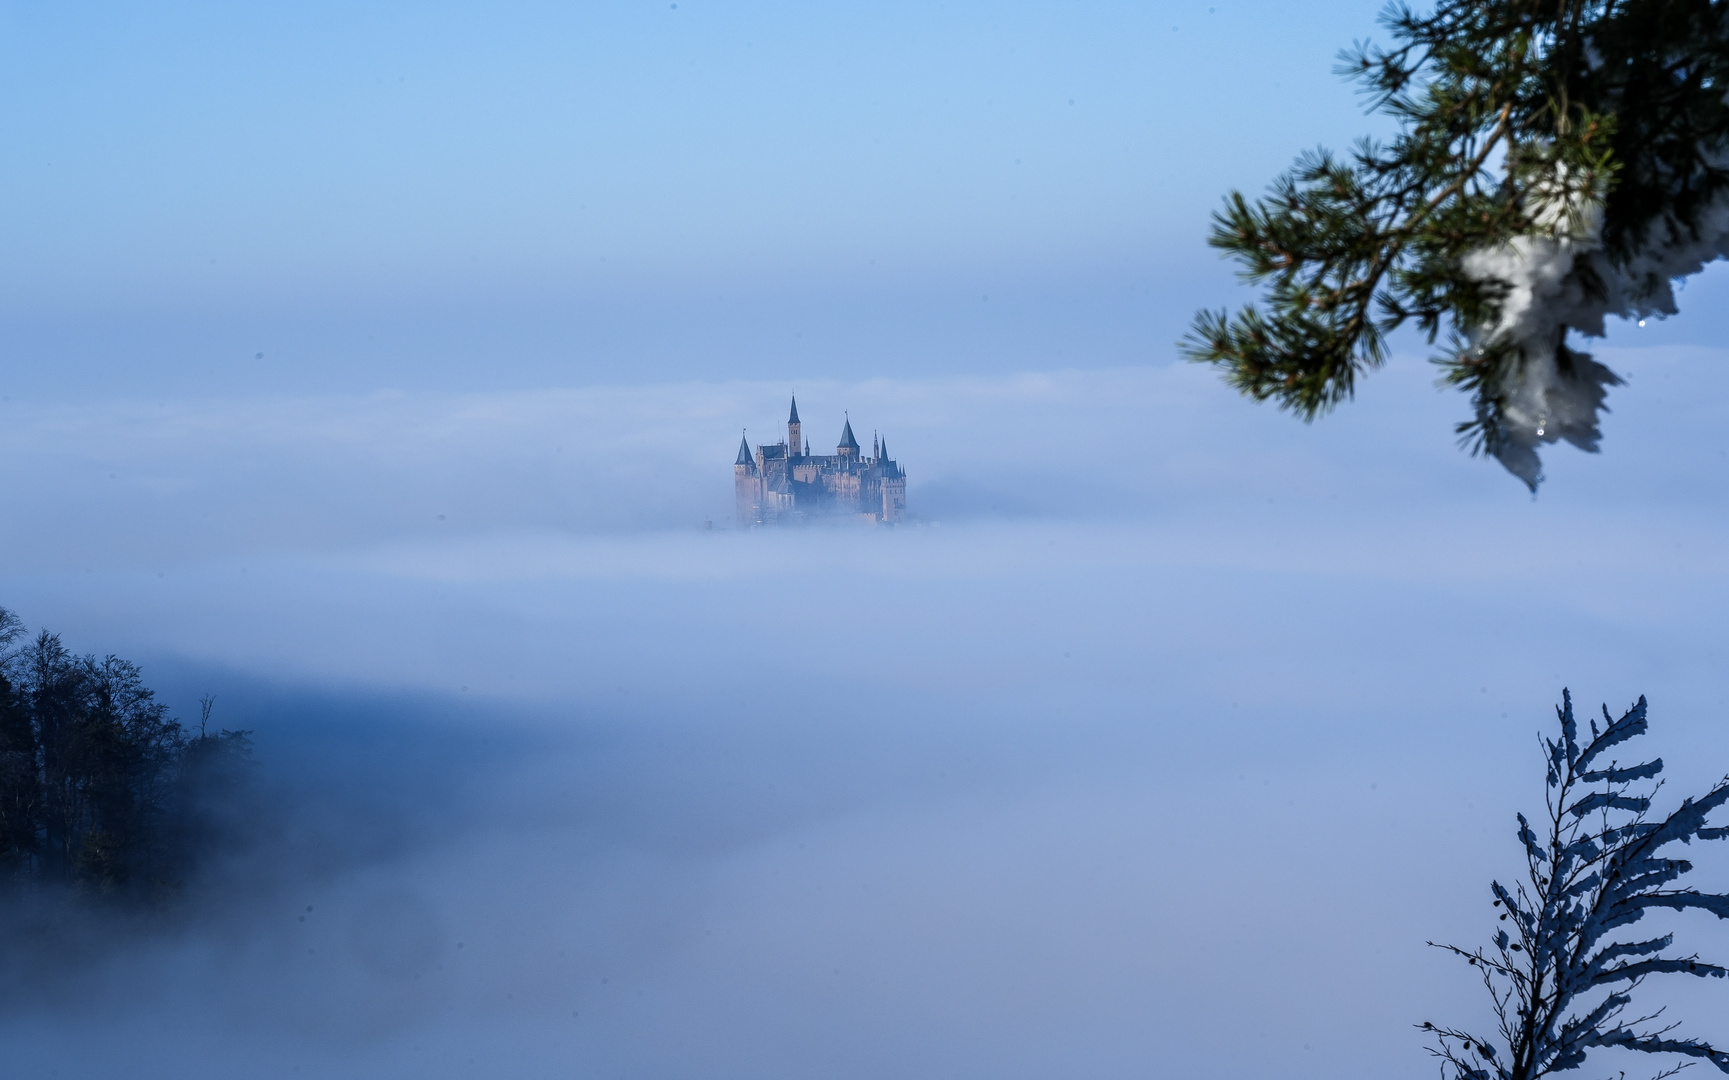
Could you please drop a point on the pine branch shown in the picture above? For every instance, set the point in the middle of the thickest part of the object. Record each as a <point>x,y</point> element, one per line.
<point>1560,982</point>
<point>1598,127</point>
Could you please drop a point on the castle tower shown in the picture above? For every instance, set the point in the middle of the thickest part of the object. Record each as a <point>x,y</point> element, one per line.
<point>894,486</point>
<point>792,429</point>
<point>746,485</point>
<point>848,447</point>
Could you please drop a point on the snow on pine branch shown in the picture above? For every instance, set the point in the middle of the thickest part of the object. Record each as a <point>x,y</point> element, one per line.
<point>1557,162</point>
<point>1546,391</point>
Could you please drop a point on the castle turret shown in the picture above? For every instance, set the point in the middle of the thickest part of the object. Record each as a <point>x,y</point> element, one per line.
<point>848,447</point>
<point>793,428</point>
<point>892,485</point>
<point>746,484</point>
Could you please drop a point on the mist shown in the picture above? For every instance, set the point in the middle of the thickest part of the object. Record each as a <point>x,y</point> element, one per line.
<point>1160,742</point>
<point>377,370</point>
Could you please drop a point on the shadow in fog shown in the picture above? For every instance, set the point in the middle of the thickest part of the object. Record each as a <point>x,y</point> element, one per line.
<point>453,888</point>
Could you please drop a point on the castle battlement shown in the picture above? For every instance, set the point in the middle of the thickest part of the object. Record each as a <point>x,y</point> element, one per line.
<point>784,482</point>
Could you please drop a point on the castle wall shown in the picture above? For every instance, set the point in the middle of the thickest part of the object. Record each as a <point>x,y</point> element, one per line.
<point>894,500</point>
<point>844,487</point>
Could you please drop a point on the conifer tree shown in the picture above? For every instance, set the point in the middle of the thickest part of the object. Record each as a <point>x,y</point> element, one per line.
<point>1564,964</point>
<point>1555,162</point>
<point>100,789</point>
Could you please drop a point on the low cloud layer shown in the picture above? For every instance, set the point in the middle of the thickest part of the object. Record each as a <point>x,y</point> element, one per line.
<point>1169,768</point>
<point>164,483</point>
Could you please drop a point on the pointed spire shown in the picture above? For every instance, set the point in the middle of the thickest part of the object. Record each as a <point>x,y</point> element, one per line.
<point>883,450</point>
<point>876,446</point>
<point>743,451</point>
<point>793,419</point>
<point>847,441</point>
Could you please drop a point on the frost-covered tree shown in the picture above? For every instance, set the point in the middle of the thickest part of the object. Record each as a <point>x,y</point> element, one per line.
<point>1555,162</point>
<point>1565,964</point>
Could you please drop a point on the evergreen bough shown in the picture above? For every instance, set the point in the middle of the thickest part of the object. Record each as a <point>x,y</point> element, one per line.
<point>1556,161</point>
<point>1563,969</point>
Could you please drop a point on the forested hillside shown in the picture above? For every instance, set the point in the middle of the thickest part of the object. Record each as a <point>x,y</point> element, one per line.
<point>101,790</point>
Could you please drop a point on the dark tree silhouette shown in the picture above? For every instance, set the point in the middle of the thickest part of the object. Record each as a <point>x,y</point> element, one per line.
<point>1561,970</point>
<point>100,789</point>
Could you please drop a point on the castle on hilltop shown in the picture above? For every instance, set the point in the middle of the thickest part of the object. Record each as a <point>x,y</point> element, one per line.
<point>785,482</point>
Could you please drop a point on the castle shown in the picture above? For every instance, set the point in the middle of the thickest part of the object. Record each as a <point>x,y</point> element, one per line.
<point>785,482</point>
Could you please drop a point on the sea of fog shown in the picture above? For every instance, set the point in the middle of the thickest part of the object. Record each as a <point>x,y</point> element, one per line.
<point>1157,746</point>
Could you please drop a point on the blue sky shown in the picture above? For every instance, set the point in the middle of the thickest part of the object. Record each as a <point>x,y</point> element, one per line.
<point>378,195</point>
<point>520,195</point>
<point>312,149</point>
<point>1176,725</point>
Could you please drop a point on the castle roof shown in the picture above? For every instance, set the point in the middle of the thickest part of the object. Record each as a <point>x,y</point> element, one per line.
<point>743,452</point>
<point>793,419</point>
<point>847,442</point>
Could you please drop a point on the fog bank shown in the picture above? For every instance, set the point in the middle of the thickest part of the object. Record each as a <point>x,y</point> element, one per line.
<point>1160,745</point>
